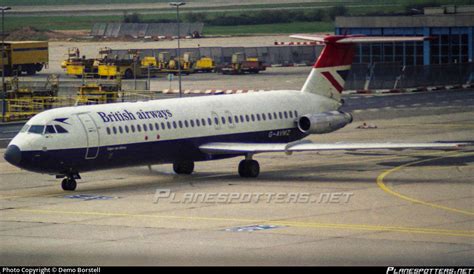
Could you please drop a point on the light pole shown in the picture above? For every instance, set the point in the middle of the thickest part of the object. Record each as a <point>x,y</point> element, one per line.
<point>4,90</point>
<point>177,5</point>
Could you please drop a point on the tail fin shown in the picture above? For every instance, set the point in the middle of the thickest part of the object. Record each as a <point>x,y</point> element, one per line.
<point>329,73</point>
<point>332,67</point>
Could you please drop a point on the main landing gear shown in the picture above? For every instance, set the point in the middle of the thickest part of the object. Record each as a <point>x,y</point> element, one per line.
<point>69,182</point>
<point>249,168</point>
<point>183,167</point>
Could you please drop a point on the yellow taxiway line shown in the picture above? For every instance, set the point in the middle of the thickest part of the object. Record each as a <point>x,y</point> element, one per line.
<point>381,184</point>
<point>298,224</point>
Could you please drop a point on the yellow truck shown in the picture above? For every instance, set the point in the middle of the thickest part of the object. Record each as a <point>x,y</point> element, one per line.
<point>166,64</point>
<point>80,66</point>
<point>24,56</point>
<point>205,64</point>
<point>240,65</point>
<point>122,68</point>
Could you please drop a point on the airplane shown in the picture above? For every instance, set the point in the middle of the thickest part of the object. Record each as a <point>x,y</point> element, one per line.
<point>68,141</point>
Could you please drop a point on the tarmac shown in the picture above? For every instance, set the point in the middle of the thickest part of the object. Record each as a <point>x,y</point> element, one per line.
<point>409,207</point>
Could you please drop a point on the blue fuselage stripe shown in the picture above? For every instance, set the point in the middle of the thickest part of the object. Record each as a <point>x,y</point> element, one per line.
<point>152,152</point>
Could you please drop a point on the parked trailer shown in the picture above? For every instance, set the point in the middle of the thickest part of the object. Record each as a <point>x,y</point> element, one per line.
<point>240,65</point>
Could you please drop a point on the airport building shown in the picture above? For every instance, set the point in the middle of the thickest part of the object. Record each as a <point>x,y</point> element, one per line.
<point>451,27</point>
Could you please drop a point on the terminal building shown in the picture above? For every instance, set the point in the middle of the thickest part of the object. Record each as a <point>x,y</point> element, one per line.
<point>451,29</point>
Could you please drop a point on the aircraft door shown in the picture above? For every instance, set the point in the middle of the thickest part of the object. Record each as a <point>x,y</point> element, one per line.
<point>215,120</point>
<point>230,119</point>
<point>92,135</point>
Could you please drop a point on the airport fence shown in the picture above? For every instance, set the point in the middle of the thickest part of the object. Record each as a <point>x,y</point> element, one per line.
<point>142,30</point>
<point>396,76</point>
<point>271,55</point>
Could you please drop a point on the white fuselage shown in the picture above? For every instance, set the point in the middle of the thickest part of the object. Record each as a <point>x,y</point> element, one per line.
<point>113,135</point>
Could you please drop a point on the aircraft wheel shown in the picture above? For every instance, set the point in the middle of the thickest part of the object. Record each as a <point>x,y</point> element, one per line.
<point>129,74</point>
<point>31,70</point>
<point>69,184</point>
<point>249,169</point>
<point>183,167</point>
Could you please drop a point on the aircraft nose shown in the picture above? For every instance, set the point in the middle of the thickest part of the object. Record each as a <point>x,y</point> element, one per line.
<point>13,155</point>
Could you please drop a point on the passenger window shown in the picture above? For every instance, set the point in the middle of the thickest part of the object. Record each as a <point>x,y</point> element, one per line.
<point>291,114</point>
<point>180,124</point>
<point>247,118</point>
<point>115,130</point>
<point>169,125</point>
<point>253,117</point>
<point>198,123</point>
<point>50,130</point>
<point>209,121</point>
<point>286,115</point>
<point>60,129</point>
<point>241,118</point>
<point>216,121</point>
<point>296,113</point>
<point>264,117</point>
<point>133,128</point>
<point>108,130</point>
<point>139,128</point>
<point>203,122</point>
<point>36,129</point>
<point>230,119</point>
<point>269,116</point>
<point>163,126</point>
<point>174,124</point>
<point>186,124</point>
<point>127,129</point>
<point>192,123</point>
<point>275,115</point>
<point>144,127</point>
<point>280,115</point>
<point>236,119</point>
<point>120,129</point>
<point>258,117</point>
<point>223,120</point>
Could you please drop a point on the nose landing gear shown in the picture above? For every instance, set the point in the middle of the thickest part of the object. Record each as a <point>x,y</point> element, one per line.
<point>69,184</point>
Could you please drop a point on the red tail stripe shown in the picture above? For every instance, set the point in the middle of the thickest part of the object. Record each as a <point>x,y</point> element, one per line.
<point>332,80</point>
<point>335,54</point>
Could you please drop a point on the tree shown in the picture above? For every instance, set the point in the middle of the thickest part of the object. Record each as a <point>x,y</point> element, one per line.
<point>338,10</point>
<point>132,18</point>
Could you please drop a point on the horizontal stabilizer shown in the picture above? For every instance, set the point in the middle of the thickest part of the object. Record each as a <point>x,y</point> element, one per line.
<point>329,73</point>
<point>352,39</point>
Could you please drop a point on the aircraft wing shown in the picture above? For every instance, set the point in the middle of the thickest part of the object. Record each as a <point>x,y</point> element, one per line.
<point>253,148</point>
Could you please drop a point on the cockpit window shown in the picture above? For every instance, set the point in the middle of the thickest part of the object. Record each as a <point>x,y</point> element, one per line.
<point>36,129</point>
<point>25,128</point>
<point>50,130</point>
<point>60,129</point>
